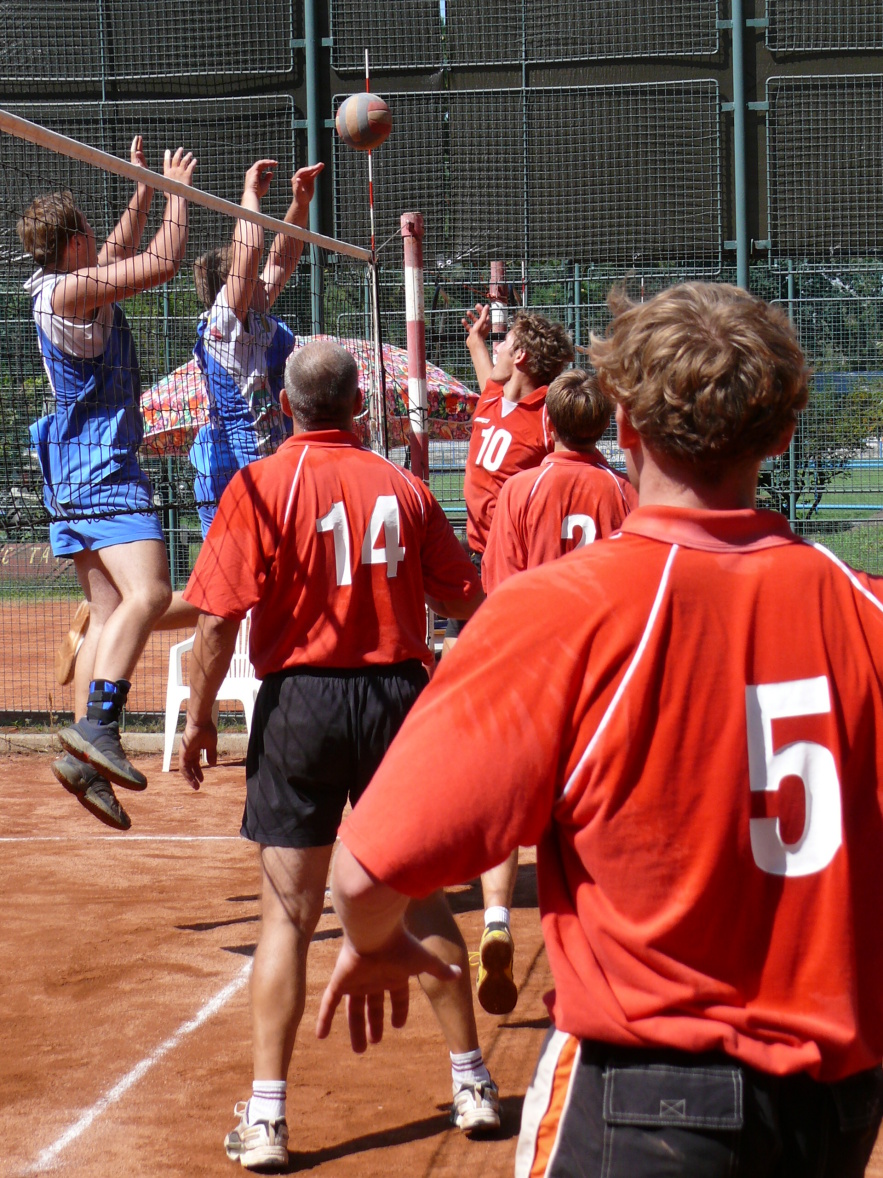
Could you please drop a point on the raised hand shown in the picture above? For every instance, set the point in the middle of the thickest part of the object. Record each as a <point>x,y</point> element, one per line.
<point>478,322</point>
<point>303,184</point>
<point>259,177</point>
<point>179,166</point>
<point>136,152</point>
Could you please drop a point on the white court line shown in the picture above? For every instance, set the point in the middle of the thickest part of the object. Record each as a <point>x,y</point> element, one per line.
<point>48,1156</point>
<point>121,838</point>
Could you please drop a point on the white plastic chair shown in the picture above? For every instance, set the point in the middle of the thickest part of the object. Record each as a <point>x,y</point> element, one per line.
<point>240,684</point>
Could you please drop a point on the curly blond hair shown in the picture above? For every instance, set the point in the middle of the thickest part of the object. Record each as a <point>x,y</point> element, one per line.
<point>578,408</point>
<point>706,372</point>
<point>548,346</point>
<point>47,225</point>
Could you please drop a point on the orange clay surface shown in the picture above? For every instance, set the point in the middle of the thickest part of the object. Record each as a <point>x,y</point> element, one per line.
<point>125,1021</point>
<point>125,1018</point>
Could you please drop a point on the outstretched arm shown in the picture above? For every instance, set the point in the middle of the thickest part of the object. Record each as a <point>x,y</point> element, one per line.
<point>126,236</point>
<point>285,251</point>
<point>478,328</point>
<point>81,293</point>
<point>248,241</point>
<point>378,954</point>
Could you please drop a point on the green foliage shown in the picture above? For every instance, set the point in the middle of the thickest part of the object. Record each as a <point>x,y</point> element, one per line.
<point>845,412</point>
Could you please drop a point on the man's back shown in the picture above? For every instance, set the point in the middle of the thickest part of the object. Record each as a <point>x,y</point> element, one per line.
<point>334,547</point>
<point>709,846</point>
<point>570,500</point>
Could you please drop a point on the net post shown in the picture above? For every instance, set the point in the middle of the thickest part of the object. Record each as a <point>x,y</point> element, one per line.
<point>412,233</point>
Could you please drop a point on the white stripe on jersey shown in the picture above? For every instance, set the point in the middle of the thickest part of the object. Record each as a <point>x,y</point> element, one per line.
<point>632,667</point>
<point>404,479</point>
<point>542,475</point>
<point>618,481</point>
<point>290,503</point>
<point>844,568</point>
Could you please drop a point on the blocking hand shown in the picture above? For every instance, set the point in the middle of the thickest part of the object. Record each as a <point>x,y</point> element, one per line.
<point>477,322</point>
<point>303,184</point>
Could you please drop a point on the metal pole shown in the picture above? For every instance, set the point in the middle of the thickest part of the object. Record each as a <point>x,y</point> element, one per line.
<point>577,305</point>
<point>792,456</point>
<point>314,123</point>
<point>742,242</point>
<point>415,318</point>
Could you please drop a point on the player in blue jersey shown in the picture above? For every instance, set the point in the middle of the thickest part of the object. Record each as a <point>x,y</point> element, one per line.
<point>240,346</point>
<point>100,501</point>
<point>242,350</point>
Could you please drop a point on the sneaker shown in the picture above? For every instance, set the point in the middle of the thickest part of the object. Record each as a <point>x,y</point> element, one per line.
<point>92,791</point>
<point>263,1145</point>
<point>66,655</point>
<point>476,1107</point>
<point>100,745</point>
<point>497,992</point>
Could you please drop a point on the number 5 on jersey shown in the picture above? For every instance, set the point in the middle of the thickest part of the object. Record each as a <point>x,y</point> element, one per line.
<point>385,519</point>
<point>811,763</point>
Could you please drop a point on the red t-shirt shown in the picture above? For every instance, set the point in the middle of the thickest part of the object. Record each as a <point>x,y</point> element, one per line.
<point>688,721</point>
<point>332,548</point>
<point>503,440</point>
<point>566,502</point>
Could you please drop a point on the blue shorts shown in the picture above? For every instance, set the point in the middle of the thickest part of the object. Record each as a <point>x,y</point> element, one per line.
<point>69,537</point>
<point>207,513</point>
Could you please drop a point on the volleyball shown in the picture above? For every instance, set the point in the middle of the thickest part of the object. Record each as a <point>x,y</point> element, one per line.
<point>363,121</point>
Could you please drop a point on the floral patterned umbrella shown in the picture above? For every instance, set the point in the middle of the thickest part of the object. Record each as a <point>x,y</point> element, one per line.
<point>174,409</point>
<point>177,406</point>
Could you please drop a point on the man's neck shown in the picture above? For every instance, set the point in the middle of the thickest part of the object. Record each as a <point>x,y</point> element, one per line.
<point>518,386</point>
<point>663,484</point>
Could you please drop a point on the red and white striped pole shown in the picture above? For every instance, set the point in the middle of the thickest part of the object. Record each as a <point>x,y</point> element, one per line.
<point>418,404</point>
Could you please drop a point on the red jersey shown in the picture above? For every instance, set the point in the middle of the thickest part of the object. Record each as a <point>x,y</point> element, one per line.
<point>507,436</point>
<point>332,547</point>
<point>687,720</point>
<point>569,500</point>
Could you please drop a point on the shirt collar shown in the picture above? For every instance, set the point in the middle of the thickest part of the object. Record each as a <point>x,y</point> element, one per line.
<point>325,437</point>
<point>711,531</point>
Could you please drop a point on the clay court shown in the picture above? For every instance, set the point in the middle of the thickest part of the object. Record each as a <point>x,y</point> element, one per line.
<point>125,1018</point>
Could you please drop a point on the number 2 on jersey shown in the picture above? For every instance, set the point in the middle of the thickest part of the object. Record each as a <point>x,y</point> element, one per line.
<point>384,518</point>
<point>812,763</point>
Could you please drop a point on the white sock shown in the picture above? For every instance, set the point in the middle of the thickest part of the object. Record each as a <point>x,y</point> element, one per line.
<point>468,1068</point>
<point>496,915</point>
<point>267,1101</point>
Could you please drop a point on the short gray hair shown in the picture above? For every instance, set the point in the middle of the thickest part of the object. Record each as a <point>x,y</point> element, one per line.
<point>322,383</point>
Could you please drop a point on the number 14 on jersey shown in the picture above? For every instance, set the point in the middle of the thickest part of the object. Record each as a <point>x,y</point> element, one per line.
<point>384,520</point>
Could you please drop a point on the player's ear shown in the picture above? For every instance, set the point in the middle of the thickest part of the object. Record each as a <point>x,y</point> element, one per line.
<point>626,434</point>
<point>285,403</point>
<point>359,403</point>
<point>784,441</point>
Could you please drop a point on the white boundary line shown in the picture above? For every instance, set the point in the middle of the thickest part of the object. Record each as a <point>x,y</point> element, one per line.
<point>121,838</point>
<point>48,1155</point>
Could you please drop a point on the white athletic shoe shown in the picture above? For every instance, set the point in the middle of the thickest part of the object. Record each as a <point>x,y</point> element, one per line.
<point>476,1107</point>
<point>263,1145</point>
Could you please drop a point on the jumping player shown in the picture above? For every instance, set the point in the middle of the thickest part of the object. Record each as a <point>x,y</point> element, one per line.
<point>572,498</point>
<point>242,348</point>
<point>336,551</point>
<point>510,432</point>
<point>687,721</point>
<point>100,502</point>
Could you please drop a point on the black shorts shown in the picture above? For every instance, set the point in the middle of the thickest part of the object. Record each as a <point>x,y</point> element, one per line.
<point>454,626</point>
<point>317,738</point>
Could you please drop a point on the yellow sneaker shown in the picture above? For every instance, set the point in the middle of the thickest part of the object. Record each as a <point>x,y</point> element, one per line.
<point>497,992</point>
